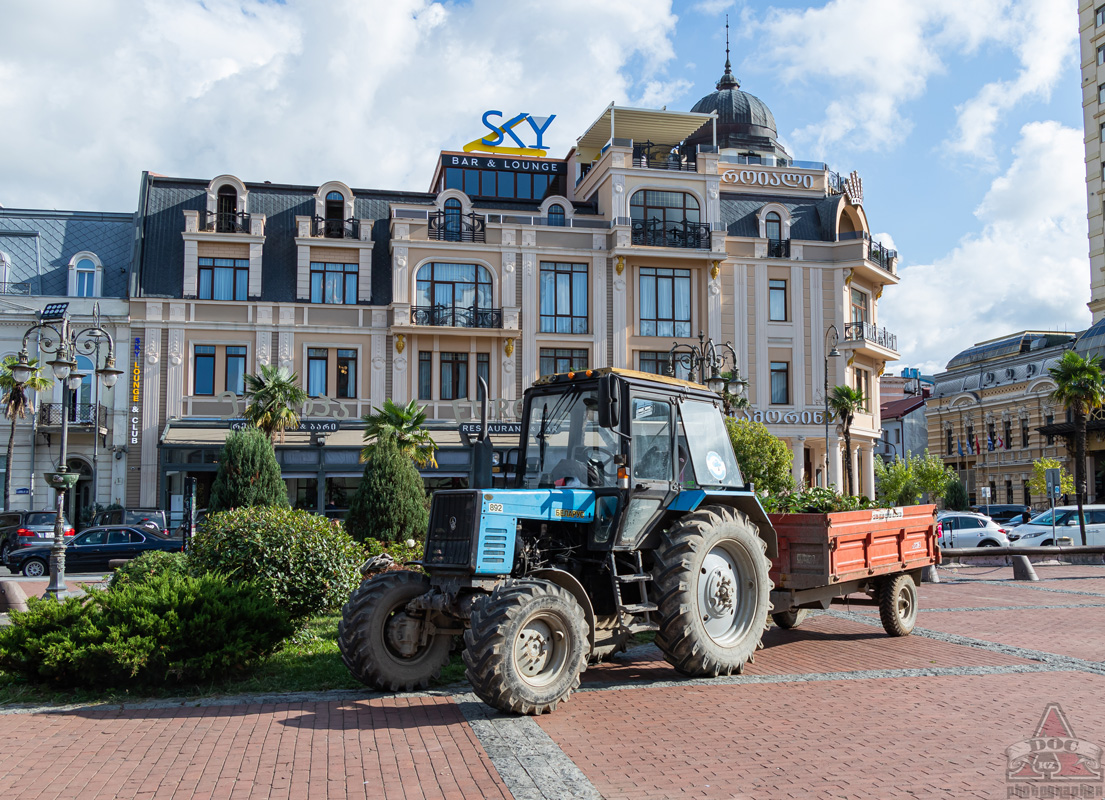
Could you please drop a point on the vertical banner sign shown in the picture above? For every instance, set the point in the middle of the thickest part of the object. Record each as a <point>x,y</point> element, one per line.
<point>135,388</point>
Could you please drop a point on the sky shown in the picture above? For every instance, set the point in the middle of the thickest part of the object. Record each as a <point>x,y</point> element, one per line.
<point>962,118</point>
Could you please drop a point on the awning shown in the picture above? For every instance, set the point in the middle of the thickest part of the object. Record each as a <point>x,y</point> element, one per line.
<point>213,435</point>
<point>640,125</point>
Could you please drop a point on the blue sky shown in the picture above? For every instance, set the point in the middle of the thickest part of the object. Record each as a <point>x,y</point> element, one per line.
<point>962,118</point>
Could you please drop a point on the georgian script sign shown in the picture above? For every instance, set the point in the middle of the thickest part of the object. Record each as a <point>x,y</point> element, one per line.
<point>304,426</point>
<point>774,178</point>
<point>773,416</point>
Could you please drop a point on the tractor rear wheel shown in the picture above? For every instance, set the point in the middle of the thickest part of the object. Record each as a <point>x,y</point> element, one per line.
<point>526,647</point>
<point>381,644</point>
<point>713,582</point>
<point>609,638</point>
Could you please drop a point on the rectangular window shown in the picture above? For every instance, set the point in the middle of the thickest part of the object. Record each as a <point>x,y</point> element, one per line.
<point>454,376</point>
<point>483,370</point>
<point>335,284</point>
<point>223,278</point>
<point>347,373</point>
<point>1101,55</point>
<point>506,184</point>
<point>863,384</point>
<point>86,283</point>
<point>1007,438</point>
<point>317,363</point>
<point>1050,420</point>
<point>203,381</point>
<point>990,440</point>
<point>1101,138</point>
<point>948,443</point>
<point>780,382</point>
<point>971,437</point>
<point>1027,499</point>
<point>859,306</point>
<point>1101,93</point>
<point>1024,433</point>
<point>471,182</point>
<point>525,186</point>
<point>1009,491</point>
<point>236,370</point>
<point>487,180</point>
<point>665,302</point>
<point>453,178</point>
<point>777,300</point>
<point>559,360</point>
<point>425,375</point>
<point>1099,16</point>
<point>563,298</point>
<point>657,363</point>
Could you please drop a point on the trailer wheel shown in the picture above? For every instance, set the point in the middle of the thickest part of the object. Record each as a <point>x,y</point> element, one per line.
<point>898,605</point>
<point>713,582</point>
<point>526,647</point>
<point>790,618</point>
<point>374,633</point>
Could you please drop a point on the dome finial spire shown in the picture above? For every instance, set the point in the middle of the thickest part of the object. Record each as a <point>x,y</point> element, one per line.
<point>728,80</point>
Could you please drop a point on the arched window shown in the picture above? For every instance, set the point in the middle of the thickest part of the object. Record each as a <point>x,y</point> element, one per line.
<point>667,219</point>
<point>773,226</point>
<point>556,215</point>
<point>335,215</point>
<point>452,220</point>
<point>226,209</point>
<point>457,295</point>
<point>86,278</point>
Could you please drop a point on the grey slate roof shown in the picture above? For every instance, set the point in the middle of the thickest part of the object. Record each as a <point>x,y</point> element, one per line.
<point>736,106</point>
<point>163,247</point>
<point>41,243</point>
<point>812,219</point>
<point>1092,341</point>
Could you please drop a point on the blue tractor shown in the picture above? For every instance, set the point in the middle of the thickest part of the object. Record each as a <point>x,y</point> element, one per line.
<point>628,513</point>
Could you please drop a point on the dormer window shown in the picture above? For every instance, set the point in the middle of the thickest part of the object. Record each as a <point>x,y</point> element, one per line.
<point>556,216</point>
<point>85,275</point>
<point>773,226</point>
<point>226,209</point>
<point>335,215</point>
<point>86,278</point>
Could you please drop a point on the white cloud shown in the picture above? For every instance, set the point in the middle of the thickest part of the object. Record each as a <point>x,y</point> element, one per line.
<point>875,56</point>
<point>713,7</point>
<point>1027,267</point>
<point>365,91</point>
<point>885,239</point>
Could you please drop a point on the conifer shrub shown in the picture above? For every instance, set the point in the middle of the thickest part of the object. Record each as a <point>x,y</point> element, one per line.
<point>955,499</point>
<point>148,565</point>
<point>166,629</point>
<point>305,561</point>
<point>390,503</point>
<point>248,474</point>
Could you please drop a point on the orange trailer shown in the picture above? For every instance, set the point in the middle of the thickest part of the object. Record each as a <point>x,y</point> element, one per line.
<point>880,551</point>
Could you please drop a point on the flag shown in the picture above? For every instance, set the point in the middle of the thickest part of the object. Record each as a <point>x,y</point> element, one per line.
<point>1001,444</point>
<point>959,444</point>
<point>989,444</point>
<point>978,445</point>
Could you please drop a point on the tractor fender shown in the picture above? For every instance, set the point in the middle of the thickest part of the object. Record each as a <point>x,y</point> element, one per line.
<point>571,584</point>
<point>748,502</point>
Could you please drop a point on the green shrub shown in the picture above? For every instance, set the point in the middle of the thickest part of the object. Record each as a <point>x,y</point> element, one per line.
<point>815,500</point>
<point>148,565</point>
<point>305,561</point>
<point>166,629</point>
<point>763,458</point>
<point>955,498</point>
<point>390,503</point>
<point>248,474</point>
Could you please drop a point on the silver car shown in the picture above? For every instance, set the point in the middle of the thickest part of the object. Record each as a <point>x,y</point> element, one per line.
<point>1037,532</point>
<point>20,529</point>
<point>964,529</point>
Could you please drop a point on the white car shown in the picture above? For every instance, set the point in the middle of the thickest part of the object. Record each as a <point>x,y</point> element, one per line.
<point>965,529</point>
<point>1037,531</point>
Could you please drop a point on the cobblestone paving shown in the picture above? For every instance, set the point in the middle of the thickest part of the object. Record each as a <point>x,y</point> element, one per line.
<point>833,709</point>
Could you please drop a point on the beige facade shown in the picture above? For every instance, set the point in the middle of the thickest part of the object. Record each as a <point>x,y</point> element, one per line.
<point>1091,24</point>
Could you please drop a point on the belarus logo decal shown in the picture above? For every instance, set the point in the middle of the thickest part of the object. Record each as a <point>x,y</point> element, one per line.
<point>1054,755</point>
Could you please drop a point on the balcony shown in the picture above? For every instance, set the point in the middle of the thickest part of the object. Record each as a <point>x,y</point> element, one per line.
<point>457,317</point>
<point>882,256</point>
<point>649,155</point>
<point>452,227</point>
<point>80,415</point>
<point>227,222</point>
<point>865,333</point>
<point>653,233</point>
<point>778,248</point>
<point>15,288</point>
<point>336,228</point>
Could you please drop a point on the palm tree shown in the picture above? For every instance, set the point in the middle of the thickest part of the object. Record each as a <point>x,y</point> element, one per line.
<point>274,399</point>
<point>845,402</point>
<point>405,423</point>
<point>16,406</point>
<point>1078,386</point>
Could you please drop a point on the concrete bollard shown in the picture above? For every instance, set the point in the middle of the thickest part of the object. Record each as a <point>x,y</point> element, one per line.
<point>1022,569</point>
<point>930,575</point>
<point>12,596</point>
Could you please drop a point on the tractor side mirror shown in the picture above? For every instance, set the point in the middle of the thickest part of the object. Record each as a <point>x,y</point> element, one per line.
<point>608,401</point>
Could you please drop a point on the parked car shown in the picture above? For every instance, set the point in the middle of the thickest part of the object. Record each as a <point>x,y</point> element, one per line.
<point>966,529</point>
<point>149,517</point>
<point>1037,531</point>
<point>91,550</point>
<point>1003,513</point>
<point>22,529</point>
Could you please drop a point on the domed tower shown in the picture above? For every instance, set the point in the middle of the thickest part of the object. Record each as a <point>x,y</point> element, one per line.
<point>745,125</point>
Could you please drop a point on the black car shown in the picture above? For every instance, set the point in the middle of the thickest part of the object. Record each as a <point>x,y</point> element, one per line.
<point>91,550</point>
<point>22,529</point>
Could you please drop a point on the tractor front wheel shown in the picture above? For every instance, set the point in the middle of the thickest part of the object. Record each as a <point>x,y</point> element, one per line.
<point>713,583</point>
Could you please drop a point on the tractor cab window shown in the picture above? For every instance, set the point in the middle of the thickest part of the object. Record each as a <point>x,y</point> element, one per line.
<point>650,431</point>
<point>711,451</point>
<point>565,446</point>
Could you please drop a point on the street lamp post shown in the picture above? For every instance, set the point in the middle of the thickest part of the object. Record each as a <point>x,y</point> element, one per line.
<point>57,336</point>
<point>832,336</point>
<point>707,356</point>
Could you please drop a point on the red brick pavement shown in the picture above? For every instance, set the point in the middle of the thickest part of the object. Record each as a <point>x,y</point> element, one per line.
<point>982,595</point>
<point>1045,571</point>
<point>886,738</point>
<point>1077,632</point>
<point>417,747</point>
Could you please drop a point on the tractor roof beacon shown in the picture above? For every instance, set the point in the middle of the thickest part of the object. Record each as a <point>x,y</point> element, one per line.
<point>628,514</point>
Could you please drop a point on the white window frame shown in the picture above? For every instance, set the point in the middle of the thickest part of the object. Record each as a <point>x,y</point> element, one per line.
<point>98,279</point>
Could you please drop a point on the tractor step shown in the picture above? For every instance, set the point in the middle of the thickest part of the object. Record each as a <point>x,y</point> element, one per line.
<point>640,608</point>
<point>638,578</point>
<point>642,627</point>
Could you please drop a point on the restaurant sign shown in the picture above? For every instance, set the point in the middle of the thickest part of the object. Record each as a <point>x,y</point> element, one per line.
<point>774,416</point>
<point>764,177</point>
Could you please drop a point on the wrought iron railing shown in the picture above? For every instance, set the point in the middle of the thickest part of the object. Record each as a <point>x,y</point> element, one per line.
<point>868,331</point>
<point>336,228</point>
<point>457,317</point>
<point>227,222</point>
<point>881,255</point>
<point>778,248</point>
<point>661,156</point>
<point>50,414</point>
<point>449,226</point>
<point>654,233</point>
<point>15,288</point>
